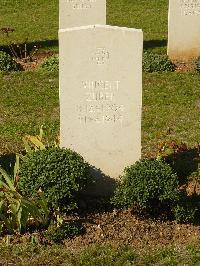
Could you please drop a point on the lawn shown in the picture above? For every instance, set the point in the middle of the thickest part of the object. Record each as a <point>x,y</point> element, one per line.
<point>98,255</point>
<point>170,108</point>
<point>170,100</point>
<point>29,99</point>
<point>37,21</point>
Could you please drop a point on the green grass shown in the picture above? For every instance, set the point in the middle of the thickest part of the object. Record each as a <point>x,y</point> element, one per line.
<point>171,110</point>
<point>98,255</point>
<point>150,16</point>
<point>170,107</point>
<point>37,20</point>
<point>28,100</point>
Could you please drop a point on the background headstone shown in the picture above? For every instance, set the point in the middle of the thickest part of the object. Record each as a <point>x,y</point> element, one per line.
<point>74,13</point>
<point>184,29</point>
<point>101,95</point>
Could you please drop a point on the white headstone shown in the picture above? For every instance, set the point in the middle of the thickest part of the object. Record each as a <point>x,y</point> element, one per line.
<point>75,13</point>
<point>184,29</point>
<point>101,95</point>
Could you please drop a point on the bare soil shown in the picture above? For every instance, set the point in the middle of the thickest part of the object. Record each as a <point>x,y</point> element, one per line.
<point>184,66</point>
<point>121,227</point>
<point>31,63</point>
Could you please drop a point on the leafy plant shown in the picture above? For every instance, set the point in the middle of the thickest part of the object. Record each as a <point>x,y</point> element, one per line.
<point>16,210</point>
<point>60,173</point>
<point>147,184</point>
<point>35,143</point>
<point>187,211</point>
<point>50,64</point>
<point>19,51</point>
<point>65,230</point>
<point>7,63</point>
<point>157,63</point>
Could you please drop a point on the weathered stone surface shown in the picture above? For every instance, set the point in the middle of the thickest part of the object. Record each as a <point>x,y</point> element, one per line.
<point>184,29</point>
<point>74,13</point>
<point>101,95</point>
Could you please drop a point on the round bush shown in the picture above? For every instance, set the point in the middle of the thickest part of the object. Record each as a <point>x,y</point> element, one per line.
<point>50,64</point>
<point>157,63</point>
<point>7,63</point>
<point>59,173</point>
<point>147,184</point>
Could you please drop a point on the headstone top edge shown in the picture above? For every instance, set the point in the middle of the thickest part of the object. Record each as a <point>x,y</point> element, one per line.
<point>100,26</point>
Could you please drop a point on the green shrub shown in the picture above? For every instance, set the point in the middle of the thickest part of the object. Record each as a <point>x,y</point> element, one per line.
<point>60,173</point>
<point>65,230</point>
<point>50,64</point>
<point>157,63</point>
<point>7,63</point>
<point>197,63</point>
<point>147,184</point>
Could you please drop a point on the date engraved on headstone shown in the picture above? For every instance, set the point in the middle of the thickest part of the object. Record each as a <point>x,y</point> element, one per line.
<point>99,102</point>
<point>100,92</point>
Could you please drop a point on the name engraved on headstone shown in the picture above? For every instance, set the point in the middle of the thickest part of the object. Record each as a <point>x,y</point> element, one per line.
<point>99,102</point>
<point>190,7</point>
<point>101,94</point>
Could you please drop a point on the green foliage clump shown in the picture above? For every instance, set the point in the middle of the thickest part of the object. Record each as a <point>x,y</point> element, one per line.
<point>7,63</point>
<point>157,63</point>
<point>147,184</point>
<point>197,63</point>
<point>187,211</point>
<point>15,209</point>
<point>65,230</point>
<point>60,173</point>
<point>50,64</point>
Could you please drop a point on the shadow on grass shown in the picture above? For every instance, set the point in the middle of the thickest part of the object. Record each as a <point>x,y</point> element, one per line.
<point>96,197</point>
<point>184,163</point>
<point>7,162</point>
<point>30,46</point>
<point>45,44</point>
<point>154,43</point>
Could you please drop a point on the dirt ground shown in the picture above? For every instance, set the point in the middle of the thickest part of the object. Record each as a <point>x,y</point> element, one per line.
<point>124,228</point>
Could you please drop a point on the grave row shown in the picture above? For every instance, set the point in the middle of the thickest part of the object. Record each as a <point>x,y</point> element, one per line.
<point>183,23</point>
<point>101,79</point>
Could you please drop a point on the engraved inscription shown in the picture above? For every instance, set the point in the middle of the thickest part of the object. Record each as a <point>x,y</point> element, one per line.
<point>81,4</point>
<point>100,56</point>
<point>101,118</point>
<point>101,85</point>
<point>99,96</point>
<point>190,7</point>
<point>99,105</point>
